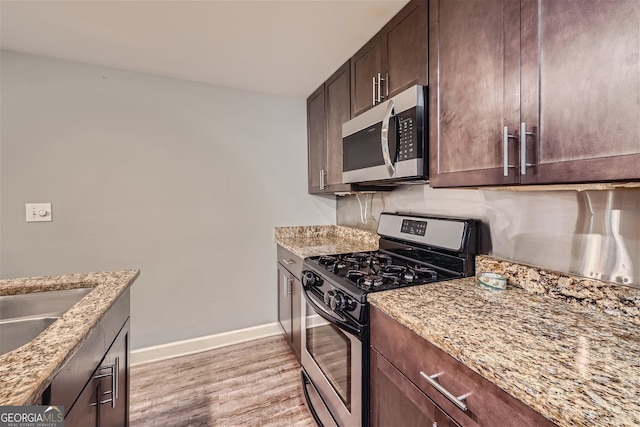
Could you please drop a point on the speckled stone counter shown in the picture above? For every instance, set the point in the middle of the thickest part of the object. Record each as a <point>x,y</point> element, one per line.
<point>306,241</point>
<point>573,359</point>
<point>26,371</point>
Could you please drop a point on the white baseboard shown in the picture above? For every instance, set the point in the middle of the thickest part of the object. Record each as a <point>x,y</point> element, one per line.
<point>196,345</point>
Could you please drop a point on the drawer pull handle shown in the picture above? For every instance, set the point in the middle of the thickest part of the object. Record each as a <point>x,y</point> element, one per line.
<point>114,373</point>
<point>458,401</point>
<point>288,261</point>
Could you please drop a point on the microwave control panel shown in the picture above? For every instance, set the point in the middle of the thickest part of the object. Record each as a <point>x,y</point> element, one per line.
<point>407,136</point>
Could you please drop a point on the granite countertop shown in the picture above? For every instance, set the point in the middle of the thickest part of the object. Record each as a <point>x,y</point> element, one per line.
<point>306,241</point>
<point>556,346</point>
<point>26,371</point>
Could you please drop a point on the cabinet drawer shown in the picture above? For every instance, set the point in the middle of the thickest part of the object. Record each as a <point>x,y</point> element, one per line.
<point>487,405</point>
<point>290,261</point>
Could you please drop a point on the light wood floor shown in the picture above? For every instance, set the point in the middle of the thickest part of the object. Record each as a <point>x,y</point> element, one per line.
<point>251,384</point>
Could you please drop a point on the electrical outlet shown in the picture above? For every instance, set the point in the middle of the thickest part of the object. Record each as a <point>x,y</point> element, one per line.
<point>38,212</point>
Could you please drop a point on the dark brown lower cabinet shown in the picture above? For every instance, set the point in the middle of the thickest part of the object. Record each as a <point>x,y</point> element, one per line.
<point>404,363</point>
<point>395,401</point>
<point>93,386</point>
<point>290,298</point>
<point>104,402</point>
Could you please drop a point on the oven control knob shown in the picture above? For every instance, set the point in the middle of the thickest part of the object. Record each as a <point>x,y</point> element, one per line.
<point>337,302</point>
<point>309,279</point>
<point>328,296</point>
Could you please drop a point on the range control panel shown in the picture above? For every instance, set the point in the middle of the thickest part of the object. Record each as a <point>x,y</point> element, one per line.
<point>417,228</point>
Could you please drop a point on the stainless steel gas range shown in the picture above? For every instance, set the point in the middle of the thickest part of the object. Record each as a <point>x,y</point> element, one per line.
<point>414,250</point>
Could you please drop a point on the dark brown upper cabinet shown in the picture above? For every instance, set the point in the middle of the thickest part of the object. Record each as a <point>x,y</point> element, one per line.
<point>327,109</point>
<point>393,60</point>
<point>316,140</point>
<point>533,92</point>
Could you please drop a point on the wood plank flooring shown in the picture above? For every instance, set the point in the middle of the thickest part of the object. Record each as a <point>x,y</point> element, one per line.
<point>250,384</point>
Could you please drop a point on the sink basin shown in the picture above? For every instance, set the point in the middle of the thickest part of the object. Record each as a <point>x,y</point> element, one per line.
<point>39,303</point>
<point>23,317</point>
<point>17,332</point>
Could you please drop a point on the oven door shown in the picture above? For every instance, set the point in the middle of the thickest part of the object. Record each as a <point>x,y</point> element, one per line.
<point>332,361</point>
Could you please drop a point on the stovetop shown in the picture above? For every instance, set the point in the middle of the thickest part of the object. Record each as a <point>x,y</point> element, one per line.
<point>377,271</point>
<point>414,250</point>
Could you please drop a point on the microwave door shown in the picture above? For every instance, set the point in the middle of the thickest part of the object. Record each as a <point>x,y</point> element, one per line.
<point>367,153</point>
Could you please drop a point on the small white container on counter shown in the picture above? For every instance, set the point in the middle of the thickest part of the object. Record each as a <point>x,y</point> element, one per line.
<point>493,281</point>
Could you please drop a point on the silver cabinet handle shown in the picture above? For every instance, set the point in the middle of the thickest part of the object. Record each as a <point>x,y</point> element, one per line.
<point>523,148</point>
<point>114,373</point>
<point>505,148</point>
<point>380,80</point>
<point>322,183</point>
<point>373,86</point>
<point>117,380</point>
<point>286,287</point>
<point>384,139</point>
<point>458,401</point>
<point>288,261</point>
<point>386,84</point>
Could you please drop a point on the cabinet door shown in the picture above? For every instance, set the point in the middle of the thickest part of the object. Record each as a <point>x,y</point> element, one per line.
<point>365,66</point>
<point>284,301</point>
<point>581,90</point>
<point>474,77</point>
<point>395,401</point>
<point>84,412</point>
<point>316,140</point>
<point>296,316</point>
<point>338,104</point>
<point>405,48</point>
<point>116,414</point>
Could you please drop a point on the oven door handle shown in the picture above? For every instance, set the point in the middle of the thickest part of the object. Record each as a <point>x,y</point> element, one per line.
<point>332,317</point>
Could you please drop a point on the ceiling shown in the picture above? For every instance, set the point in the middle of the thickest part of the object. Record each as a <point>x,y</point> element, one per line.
<point>281,47</point>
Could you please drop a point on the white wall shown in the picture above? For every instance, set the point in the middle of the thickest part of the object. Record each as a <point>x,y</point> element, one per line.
<point>182,180</point>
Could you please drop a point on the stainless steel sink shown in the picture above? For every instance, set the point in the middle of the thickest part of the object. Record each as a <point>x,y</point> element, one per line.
<point>17,332</point>
<point>39,303</point>
<point>23,317</point>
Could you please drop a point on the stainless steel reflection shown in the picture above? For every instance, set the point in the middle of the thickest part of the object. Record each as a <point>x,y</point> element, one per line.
<point>593,233</point>
<point>600,243</point>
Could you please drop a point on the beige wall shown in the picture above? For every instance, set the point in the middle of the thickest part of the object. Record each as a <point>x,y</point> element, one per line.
<point>184,181</point>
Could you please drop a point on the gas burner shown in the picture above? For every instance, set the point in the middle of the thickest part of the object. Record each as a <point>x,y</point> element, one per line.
<point>371,281</point>
<point>339,267</point>
<point>327,260</point>
<point>381,259</point>
<point>425,272</point>
<point>355,275</point>
<point>409,276</point>
<point>394,269</point>
<point>360,255</point>
<point>390,279</point>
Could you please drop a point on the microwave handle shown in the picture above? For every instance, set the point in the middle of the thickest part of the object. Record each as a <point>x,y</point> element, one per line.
<point>384,139</point>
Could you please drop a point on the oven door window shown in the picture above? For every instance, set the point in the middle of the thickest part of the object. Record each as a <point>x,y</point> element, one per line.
<point>330,348</point>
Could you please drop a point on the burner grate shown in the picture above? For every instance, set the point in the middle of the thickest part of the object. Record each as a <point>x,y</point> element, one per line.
<point>377,271</point>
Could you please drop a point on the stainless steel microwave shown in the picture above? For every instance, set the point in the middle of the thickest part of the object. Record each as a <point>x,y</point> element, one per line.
<point>387,144</point>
